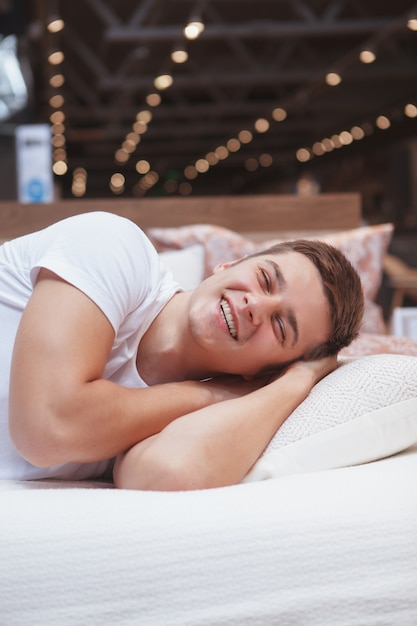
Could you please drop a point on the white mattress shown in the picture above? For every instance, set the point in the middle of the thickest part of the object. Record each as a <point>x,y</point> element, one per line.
<point>333,548</point>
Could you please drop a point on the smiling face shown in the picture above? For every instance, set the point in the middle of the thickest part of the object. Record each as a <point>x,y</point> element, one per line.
<point>259,313</point>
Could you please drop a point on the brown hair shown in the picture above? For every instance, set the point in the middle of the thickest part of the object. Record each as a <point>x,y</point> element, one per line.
<point>342,288</point>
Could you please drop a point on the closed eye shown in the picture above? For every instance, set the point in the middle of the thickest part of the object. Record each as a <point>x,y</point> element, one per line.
<point>266,281</point>
<point>278,325</point>
<point>280,328</point>
<point>278,282</point>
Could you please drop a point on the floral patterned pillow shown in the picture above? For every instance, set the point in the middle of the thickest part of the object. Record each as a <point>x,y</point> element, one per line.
<point>220,244</point>
<point>365,247</point>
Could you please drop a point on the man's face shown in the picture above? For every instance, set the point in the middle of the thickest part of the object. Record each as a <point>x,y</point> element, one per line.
<point>259,313</point>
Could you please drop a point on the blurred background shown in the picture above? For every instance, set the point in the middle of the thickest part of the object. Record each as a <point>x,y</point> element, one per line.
<point>187,97</point>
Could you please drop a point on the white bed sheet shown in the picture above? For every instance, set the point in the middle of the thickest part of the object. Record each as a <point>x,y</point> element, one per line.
<point>322,549</point>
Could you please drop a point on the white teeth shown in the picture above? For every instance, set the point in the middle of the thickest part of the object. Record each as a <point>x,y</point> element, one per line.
<point>227,313</point>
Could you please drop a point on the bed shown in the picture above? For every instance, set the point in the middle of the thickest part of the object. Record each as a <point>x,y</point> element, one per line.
<point>323,529</point>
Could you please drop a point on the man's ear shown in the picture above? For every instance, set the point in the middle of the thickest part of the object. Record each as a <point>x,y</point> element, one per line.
<point>223,266</point>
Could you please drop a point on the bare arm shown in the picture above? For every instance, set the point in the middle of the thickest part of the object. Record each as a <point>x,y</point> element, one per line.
<point>60,407</point>
<point>216,446</point>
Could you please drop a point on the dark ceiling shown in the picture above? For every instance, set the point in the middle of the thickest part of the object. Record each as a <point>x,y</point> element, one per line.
<point>253,57</point>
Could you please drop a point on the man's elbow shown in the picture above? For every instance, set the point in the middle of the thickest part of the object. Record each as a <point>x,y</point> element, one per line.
<point>37,453</point>
<point>39,445</point>
<point>147,470</point>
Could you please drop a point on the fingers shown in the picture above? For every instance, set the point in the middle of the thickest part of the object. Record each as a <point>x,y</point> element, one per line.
<point>320,367</point>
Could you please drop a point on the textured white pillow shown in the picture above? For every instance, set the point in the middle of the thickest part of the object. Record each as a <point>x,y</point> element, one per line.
<point>365,410</point>
<point>187,265</point>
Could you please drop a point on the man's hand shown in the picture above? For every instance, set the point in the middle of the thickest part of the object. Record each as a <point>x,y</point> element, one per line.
<point>317,369</point>
<point>228,387</point>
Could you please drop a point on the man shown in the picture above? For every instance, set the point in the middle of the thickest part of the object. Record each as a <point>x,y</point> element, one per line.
<point>107,357</point>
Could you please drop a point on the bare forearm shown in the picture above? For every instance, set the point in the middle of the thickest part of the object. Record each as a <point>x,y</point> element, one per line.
<point>214,446</point>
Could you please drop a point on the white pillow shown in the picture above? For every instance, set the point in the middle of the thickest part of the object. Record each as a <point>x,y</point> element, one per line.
<point>187,265</point>
<point>364,410</point>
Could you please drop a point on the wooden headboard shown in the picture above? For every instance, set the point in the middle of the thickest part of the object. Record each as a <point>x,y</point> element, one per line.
<point>244,214</point>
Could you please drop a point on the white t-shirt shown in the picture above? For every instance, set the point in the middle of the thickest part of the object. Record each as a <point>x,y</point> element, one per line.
<point>112,261</point>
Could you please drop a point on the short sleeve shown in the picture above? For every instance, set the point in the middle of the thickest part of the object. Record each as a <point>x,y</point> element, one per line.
<point>106,256</point>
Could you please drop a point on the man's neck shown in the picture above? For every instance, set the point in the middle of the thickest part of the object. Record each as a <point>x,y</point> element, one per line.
<point>165,353</point>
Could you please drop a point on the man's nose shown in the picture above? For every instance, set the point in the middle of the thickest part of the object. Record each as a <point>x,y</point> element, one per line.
<point>257,307</point>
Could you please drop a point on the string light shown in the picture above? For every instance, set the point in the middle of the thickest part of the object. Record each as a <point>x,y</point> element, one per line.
<point>58,140</point>
<point>144,116</point>
<point>59,154</point>
<point>153,99</point>
<point>117,183</point>
<point>382,122</point>
<point>233,144</point>
<point>318,149</point>
<point>185,189</point>
<point>121,156</point>
<point>261,125</point>
<point>266,160</point>
<point>57,80</point>
<point>410,110</point>
<point>58,129</point>
<point>56,101</point>
<point>279,114</point>
<point>333,79</point>
<point>56,57</point>
<point>335,139</point>
<point>357,133</point>
<point>195,24</point>
<point>179,54</point>
<point>163,81</point>
<point>303,155</point>
<point>190,172</point>
<point>149,180</point>
<point>57,117</point>
<point>79,182</point>
<point>251,164</point>
<point>60,168</point>
<point>344,138</point>
<point>129,145</point>
<point>221,152</point>
<point>212,158</point>
<point>202,166</point>
<point>245,136</point>
<point>193,29</point>
<point>367,55</point>
<point>143,166</point>
<point>55,25</point>
<point>140,128</point>
<point>327,144</point>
